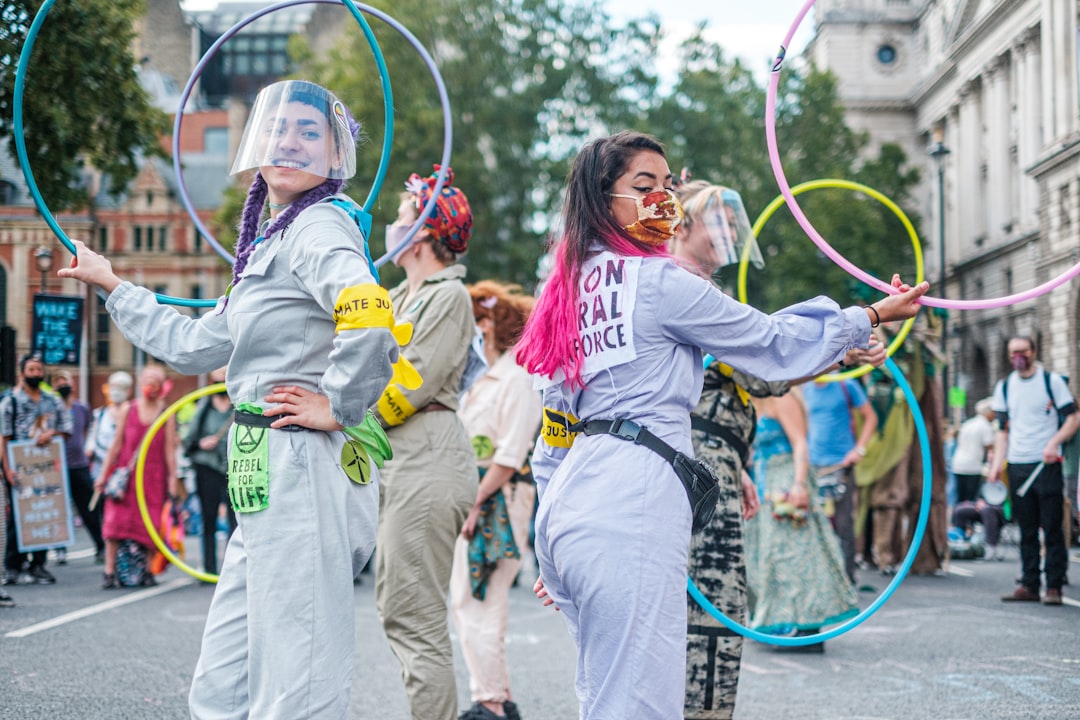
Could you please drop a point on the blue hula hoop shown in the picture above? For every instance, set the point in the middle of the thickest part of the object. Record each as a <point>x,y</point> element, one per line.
<point>47,215</point>
<point>440,85</point>
<point>196,73</point>
<point>905,566</point>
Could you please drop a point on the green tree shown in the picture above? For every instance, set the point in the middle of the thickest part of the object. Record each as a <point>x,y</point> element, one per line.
<point>528,81</point>
<point>82,103</point>
<point>713,124</point>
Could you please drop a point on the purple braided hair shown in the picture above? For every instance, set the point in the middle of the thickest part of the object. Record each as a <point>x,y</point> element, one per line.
<point>253,210</point>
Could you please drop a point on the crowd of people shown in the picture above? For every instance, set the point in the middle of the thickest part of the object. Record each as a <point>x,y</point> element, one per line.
<point>628,425</point>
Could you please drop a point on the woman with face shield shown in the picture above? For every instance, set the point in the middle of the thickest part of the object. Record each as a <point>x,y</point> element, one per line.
<point>310,343</point>
<point>615,339</point>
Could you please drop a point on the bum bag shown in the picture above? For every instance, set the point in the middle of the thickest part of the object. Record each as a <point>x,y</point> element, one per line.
<point>701,485</point>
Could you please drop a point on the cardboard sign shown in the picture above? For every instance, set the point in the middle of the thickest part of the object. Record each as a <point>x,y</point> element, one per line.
<point>606,311</point>
<point>57,328</point>
<point>41,501</point>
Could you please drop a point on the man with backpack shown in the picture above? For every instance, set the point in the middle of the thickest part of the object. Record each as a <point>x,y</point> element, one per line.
<point>28,412</point>
<point>1036,413</point>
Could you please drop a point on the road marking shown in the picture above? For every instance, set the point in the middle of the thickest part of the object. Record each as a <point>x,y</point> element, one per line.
<point>100,607</point>
<point>962,572</point>
<point>1070,601</point>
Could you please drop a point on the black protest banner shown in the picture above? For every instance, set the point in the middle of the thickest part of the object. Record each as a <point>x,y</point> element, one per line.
<point>57,328</point>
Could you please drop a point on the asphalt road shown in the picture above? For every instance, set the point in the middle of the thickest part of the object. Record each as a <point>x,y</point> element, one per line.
<point>944,648</point>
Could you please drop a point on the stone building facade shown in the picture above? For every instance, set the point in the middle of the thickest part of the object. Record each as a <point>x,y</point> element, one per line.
<point>995,83</point>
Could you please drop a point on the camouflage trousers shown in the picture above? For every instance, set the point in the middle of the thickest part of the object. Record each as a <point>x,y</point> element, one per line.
<point>718,567</point>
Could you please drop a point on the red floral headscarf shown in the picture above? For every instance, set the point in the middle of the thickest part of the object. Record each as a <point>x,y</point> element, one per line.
<point>450,220</point>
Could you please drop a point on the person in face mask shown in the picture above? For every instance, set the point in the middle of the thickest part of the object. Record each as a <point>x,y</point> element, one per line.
<point>28,412</point>
<point>102,432</point>
<point>614,340</point>
<point>99,437</point>
<point>429,486</point>
<point>82,487</point>
<point>123,526</point>
<point>1036,413</point>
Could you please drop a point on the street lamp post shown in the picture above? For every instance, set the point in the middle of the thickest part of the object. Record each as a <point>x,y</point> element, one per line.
<point>938,152</point>
<point>43,259</point>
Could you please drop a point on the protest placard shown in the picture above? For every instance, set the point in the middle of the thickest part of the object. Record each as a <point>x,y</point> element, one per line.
<point>41,499</point>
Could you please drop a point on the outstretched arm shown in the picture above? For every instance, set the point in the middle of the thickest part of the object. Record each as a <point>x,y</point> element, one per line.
<point>190,345</point>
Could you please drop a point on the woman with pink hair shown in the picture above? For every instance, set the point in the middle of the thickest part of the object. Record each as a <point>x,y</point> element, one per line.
<point>615,339</point>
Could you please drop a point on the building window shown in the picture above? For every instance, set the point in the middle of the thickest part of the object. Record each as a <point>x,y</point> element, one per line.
<point>103,239</point>
<point>137,245</point>
<point>149,197</point>
<point>198,240</point>
<point>7,192</point>
<point>149,239</point>
<point>1063,207</point>
<point>886,54</point>
<point>101,332</point>
<point>216,141</point>
<point>161,238</point>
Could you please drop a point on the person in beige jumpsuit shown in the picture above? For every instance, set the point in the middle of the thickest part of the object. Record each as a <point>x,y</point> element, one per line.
<point>428,487</point>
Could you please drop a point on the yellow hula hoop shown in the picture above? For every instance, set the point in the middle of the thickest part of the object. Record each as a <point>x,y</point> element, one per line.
<point>772,207</point>
<point>140,495</point>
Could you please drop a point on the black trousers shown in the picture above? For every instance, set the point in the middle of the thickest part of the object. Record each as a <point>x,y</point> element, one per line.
<point>967,487</point>
<point>1043,506</point>
<point>82,490</point>
<point>13,559</point>
<point>213,489</point>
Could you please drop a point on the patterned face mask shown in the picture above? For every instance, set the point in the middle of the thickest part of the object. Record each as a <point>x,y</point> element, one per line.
<point>659,216</point>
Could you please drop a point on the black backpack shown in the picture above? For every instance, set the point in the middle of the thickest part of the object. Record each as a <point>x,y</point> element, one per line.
<point>1046,379</point>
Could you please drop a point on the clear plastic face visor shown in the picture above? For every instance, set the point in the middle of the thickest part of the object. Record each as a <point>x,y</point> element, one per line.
<point>301,126</point>
<point>730,231</point>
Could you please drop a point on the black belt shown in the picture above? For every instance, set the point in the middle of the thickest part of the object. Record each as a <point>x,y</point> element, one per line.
<point>263,421</point>
<point>626,430</point>
<point>711,427</point>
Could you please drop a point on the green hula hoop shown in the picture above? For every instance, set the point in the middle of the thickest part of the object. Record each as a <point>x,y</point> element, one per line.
<point>770,210</point>
<point>140,494</point>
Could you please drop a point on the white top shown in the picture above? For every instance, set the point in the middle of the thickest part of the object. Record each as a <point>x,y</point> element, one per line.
<point>975,436</point>
<point>1031,414</point>
<point>501,413</point>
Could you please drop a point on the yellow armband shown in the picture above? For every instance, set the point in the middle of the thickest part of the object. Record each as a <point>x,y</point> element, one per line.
<point>728,371</point>
<point>368,306</point>
<point>556,428</point>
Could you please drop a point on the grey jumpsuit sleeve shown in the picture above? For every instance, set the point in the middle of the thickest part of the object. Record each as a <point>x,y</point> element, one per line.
<point>802,339</point>
<point>190,345</point>
<point>327,262</point>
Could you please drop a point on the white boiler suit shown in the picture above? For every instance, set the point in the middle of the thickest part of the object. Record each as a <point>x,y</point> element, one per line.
<point>613,526</point>
<point>279,638</point>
